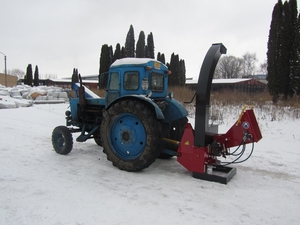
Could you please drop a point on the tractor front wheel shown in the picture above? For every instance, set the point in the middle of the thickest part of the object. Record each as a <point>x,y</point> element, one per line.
<point>131,135</point>
<point>62,140</point>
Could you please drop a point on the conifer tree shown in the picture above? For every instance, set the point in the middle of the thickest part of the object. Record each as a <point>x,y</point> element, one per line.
<point>150,46</point>
<point>117,54</point>
<point>286,41</point>
<point>274,83</point>
<point>130,43</point>
<point>75,78</point>
<point>182,76</point>
<point>123,55</point>
<point>146,52</point>
<point>174,77</point>
<point>158,56</point>
<point>105,60</point>
<point>28,75</point>
<point>296,72</point>
<point>140,46</point>
<point>36,76</point>
<point>161,57</point>
<point>25,79</point>
<point>283,51</point>
<point>295,53</point>
<point>111,55</point>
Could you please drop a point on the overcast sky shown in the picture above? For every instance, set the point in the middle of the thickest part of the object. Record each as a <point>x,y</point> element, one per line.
<point>61,35</point>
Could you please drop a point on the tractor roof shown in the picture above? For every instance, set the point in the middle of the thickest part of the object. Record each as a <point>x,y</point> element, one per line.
<point>128,62</point>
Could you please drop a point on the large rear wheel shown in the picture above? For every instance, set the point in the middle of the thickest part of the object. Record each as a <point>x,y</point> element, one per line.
<point>97,138</point>
<point>131,135</point>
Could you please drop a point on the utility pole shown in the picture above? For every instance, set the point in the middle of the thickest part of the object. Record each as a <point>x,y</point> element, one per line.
<point>5,68</point>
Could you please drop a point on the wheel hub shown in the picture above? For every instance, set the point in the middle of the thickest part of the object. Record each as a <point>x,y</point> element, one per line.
<point>125,136</point>
<point>60,141</point>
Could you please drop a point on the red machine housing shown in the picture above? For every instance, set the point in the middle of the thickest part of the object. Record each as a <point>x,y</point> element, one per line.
<point>203,162</point>
<point>199,147</point>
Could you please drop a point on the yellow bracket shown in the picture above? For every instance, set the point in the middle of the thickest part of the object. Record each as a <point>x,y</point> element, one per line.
<point>171,141</point>
<point>242,113</point>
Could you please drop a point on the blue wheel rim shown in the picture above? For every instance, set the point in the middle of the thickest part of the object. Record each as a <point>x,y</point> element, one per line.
<point>127,136</point>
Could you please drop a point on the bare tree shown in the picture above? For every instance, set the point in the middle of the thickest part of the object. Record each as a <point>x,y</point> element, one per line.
<point>263,68</point>
<point>17,72</point>
<point>229,67</point>
<point>249,61</point>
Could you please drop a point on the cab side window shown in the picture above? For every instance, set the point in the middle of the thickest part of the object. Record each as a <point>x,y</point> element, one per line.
<point>114,81</point>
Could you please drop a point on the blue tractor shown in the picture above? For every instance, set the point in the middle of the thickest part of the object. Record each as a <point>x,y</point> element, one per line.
<point>136,122</point>
<point>139,121</point>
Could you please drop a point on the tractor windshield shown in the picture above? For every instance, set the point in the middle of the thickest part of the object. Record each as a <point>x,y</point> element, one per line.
<point>131,80</point>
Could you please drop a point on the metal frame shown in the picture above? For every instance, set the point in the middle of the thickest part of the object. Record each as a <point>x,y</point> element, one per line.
<point>220,174</point>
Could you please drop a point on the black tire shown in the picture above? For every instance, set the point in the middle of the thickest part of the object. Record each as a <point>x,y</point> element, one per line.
<point>131,135</point>
<point>163,155</point>
<point>98,141</point>
<point>62,140</point>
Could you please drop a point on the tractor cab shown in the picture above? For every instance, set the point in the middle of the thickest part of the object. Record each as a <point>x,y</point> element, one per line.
<point>137,76</point>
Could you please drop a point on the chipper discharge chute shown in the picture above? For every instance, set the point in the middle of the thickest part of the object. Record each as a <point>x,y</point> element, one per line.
<point>199,147</point>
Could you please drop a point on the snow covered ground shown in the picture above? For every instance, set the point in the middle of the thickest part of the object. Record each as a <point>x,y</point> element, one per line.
<point>38,186</point>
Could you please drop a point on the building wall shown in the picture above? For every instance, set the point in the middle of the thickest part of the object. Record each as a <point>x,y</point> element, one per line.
<point>67,85</point>
<point>10,80</point>
<point>249,86</point>
<point>64,83</point>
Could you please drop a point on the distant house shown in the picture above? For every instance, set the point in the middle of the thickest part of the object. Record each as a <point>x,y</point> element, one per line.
<point>66,83</point>
<point>8,80</point>
<point>90,77</point>
<point>90,82</point>
<point>249,85</point>
<point>260,77</point>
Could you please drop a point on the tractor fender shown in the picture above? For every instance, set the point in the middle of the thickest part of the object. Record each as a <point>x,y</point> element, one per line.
<point>174,110</point>
<point>148,101</point>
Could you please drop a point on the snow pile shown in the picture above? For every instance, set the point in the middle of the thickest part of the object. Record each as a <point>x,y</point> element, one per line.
<point>45,94</point>
<point>24,96</point>
<point>7,102</point>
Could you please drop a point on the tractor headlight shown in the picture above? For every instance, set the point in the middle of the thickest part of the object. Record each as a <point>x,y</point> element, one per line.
<point>145,84</point>
<point>148,93</point>
<point>68,113</point>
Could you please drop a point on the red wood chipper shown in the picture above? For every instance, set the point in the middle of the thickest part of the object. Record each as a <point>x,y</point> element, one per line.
<point>199,147</point>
